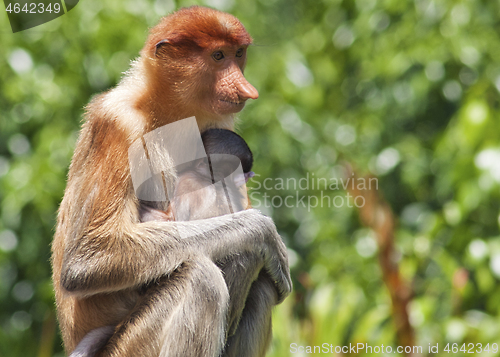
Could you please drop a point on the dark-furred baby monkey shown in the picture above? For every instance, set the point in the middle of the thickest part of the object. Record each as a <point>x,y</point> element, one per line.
<point>196,196</point>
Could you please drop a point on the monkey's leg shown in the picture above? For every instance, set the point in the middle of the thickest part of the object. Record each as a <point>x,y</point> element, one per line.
<point>253,334</point>
<point>180,315</point>
<point>239,271</point>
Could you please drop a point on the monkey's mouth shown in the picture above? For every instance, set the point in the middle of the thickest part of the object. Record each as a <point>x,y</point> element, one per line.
<point>228,106</point>
<point>234,103</point>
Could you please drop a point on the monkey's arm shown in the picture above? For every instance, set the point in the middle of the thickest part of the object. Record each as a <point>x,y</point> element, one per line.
<point>100,245</point>
<point>148,251</point>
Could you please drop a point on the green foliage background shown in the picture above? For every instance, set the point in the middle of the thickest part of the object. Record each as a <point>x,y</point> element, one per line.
<point>407,91</point>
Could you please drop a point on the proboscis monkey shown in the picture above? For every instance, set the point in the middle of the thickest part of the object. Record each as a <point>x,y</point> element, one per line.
<point>130,288</point>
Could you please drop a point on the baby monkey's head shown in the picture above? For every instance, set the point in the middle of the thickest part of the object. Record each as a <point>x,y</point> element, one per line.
<point>223,147</point>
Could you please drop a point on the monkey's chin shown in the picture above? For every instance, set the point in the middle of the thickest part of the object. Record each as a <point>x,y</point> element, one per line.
<point>228,107</point>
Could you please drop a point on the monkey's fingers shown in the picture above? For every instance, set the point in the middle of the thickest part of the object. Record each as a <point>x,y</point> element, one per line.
<point>283,280</point>
<point>276,264</point>
<point>283,289</point>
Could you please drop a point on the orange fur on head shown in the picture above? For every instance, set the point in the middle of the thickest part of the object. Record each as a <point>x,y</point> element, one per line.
<point>197,27</point>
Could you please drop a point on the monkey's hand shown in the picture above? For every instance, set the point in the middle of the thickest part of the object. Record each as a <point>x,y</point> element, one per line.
<point>276,259</point>
<point>245,231</point>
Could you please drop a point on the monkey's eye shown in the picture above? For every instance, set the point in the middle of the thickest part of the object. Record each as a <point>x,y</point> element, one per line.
<point>239,53</point>
<point>217,55</point>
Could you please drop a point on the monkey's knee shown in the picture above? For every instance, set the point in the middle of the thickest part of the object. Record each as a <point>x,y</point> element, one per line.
<point>183,312</point>
<point>198,286</point>
<point>207,279</point>
<point>200,324</point>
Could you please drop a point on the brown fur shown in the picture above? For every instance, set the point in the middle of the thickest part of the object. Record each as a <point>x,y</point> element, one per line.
<point>150,287</point>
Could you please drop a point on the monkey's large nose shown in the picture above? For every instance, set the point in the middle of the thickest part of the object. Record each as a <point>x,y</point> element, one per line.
<point>246,90</point>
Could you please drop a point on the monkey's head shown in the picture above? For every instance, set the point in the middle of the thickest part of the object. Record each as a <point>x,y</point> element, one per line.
<point>221,141</point>
<point>227,150</point>
<point>197,57</point>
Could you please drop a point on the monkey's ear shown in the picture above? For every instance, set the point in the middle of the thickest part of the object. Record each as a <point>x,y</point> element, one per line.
<point>159,45</point>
